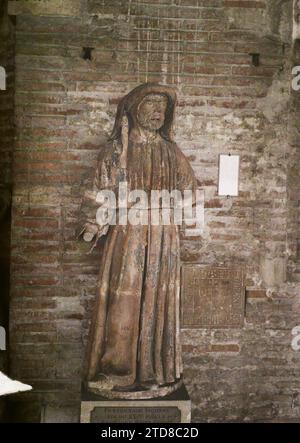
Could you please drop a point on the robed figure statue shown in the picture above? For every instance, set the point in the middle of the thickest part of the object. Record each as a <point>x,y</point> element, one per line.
<point>134,342</point>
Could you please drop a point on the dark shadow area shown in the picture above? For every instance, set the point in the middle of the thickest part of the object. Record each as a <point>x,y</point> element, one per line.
<point>7,33</point>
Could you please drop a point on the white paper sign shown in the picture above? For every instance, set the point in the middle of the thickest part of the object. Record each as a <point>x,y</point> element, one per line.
<point>229,167</point>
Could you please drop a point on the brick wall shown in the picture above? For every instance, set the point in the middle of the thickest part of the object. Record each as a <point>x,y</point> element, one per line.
<point>65,107</point>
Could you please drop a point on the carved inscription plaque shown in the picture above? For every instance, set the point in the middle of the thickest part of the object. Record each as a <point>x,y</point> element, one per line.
<point>136,415</point>
<point>212,297</point>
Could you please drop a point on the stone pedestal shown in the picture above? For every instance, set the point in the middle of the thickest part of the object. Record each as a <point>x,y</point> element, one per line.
<point>174,408</point>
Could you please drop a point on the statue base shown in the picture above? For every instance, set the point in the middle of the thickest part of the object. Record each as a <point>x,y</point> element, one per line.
<point>106,390</point>
<point>174,408</point>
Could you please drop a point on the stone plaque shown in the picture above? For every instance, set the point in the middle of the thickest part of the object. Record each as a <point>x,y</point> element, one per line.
<point>212,297</point>
<point>136,415</point>
<point>175,409</point>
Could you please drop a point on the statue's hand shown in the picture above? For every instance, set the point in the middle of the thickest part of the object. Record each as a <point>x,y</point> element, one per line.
<point>92,232</point>
<point>89,231</point>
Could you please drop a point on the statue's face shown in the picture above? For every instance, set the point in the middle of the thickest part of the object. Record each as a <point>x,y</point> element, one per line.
<point>152,112</point>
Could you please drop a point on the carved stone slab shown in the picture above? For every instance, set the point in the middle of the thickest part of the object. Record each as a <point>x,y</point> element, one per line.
<point>212,297</point>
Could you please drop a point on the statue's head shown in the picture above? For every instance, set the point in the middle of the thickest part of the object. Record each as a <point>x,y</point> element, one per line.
<point>151,112</point>
<point>150,106</point>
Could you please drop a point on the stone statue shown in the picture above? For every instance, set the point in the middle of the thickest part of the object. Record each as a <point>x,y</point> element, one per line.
<point>134,342</point>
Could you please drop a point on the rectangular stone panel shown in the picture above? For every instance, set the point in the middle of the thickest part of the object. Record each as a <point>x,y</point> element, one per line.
<point>212,297</point>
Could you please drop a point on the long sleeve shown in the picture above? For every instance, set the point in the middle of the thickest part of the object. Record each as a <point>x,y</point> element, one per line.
<point>106,177</point>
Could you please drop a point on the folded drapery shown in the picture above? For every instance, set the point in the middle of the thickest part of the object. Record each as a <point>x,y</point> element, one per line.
<point>8,386</point>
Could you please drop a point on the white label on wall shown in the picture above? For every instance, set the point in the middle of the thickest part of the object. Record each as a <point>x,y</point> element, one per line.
<point>2,79</point>
<point>229,167</point>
